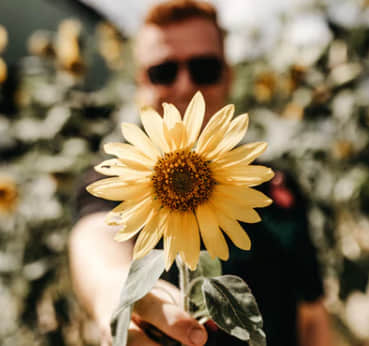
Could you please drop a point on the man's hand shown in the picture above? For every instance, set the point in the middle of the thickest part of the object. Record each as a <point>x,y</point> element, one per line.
<point>99,266</point>
<point>159,309</point>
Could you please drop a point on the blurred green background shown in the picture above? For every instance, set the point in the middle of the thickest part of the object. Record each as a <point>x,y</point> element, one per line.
<point>66,83</point>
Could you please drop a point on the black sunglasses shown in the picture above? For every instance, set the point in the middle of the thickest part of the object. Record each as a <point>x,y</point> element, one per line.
<point>204,70</point>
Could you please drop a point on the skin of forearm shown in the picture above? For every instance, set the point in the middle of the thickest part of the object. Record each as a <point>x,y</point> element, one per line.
<point>98,264</point>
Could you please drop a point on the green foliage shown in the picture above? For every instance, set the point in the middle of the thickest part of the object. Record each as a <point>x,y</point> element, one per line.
<point>233,308</point>
<point>227,300</point>
<point>142,276</point>
<point>206,268</point>
<point>314,116</point>
<point>120,327</point>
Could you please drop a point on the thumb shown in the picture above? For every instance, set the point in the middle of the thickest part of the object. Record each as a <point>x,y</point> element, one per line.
<point>171,320</point>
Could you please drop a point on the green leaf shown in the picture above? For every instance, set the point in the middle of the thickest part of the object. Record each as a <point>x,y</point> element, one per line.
<point>142,276</point>
<point>233,308</point>
<point>120,327</point>
<point>207,267</point>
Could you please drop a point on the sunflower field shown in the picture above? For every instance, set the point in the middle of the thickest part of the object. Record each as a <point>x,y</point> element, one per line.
<point>307,95</point>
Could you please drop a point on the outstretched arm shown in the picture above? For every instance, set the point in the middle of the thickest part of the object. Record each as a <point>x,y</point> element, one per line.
<point>99,266</point>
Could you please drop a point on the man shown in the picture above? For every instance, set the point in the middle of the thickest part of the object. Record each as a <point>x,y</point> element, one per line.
<point>179,50</point>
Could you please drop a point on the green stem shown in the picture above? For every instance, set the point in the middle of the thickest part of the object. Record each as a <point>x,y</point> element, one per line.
<point>193,283</point>
<point>184,281</point>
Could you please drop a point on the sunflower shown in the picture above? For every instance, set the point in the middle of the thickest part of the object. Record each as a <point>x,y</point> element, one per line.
<point>8,194</point>
<point>179,184</point>
<point>3,71</point>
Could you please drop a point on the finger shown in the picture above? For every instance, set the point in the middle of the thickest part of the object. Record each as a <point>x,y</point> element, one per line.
<point>136,337</point>
<point>167,291</point>
<point>105,342</point>
<point>171,320</point>
<point>105,334</point>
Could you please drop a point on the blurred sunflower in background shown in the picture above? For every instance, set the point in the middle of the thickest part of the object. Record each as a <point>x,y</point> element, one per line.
<point>68,50</point>
<point>3,44</point>
<point>8,194</point>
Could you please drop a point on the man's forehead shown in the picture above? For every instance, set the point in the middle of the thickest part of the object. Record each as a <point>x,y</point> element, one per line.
<point>181,40</point>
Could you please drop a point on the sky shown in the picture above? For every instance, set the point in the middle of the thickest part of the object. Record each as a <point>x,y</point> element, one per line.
<point>248,35</point>
<point>127,14</point>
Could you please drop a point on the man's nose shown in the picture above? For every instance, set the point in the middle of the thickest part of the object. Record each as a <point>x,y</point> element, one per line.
<point>184,84</point>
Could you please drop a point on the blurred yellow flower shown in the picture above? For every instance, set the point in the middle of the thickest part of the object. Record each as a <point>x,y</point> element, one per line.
<point>8,194</point>
<point>41,44</point>
<point>3,71</point>
<point>265,86</point>
<point>3,38</point>
<point>293,111</point>
<point>68,47</point>
<point>110,45</point>
<point>342,149</point>
<point>177,183</point>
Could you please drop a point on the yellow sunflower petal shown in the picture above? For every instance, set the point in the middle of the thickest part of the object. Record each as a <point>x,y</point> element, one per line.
<point>243,169</point>
<point>171,115</point>
<point>235,210</point>
<point>129,155</point>
<point>242,174</point>
<point>243,195</point>
<point>115,189</point>
<point>184,144</point>
<point>113,217</point>
<point>117,167</point>
<point>111,167</point>
<point>179,135</point>
<point>245,153</point>
<point>148,237</point>
<point>138,217</point>
<point>117,216</point>
<point>171,239</point>
<point>168,137</point>
<point>190,246</point>
<point>194,117</point>
<point>215,130</point>
<point>134,135</point>
<point>243,181</point>
<point>211,235</point>
<point>234,231</point>
<point>153,125</point>
<point>233,136</point>
<point>176,137</point>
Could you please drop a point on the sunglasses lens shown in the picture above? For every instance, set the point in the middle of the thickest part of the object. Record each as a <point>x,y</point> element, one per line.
<point>206,70</point>
<point>164,73</point>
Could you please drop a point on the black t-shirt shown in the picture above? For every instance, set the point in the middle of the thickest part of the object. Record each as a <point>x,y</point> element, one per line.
<point>281,268</point>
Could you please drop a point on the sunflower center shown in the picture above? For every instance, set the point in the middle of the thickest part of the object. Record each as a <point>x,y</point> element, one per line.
<point>182,180</point>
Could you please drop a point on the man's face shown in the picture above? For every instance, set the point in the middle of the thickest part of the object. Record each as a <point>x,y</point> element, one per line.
<point>180,43</point>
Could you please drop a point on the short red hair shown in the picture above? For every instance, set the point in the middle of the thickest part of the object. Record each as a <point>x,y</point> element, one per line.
<point>173,11</point>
